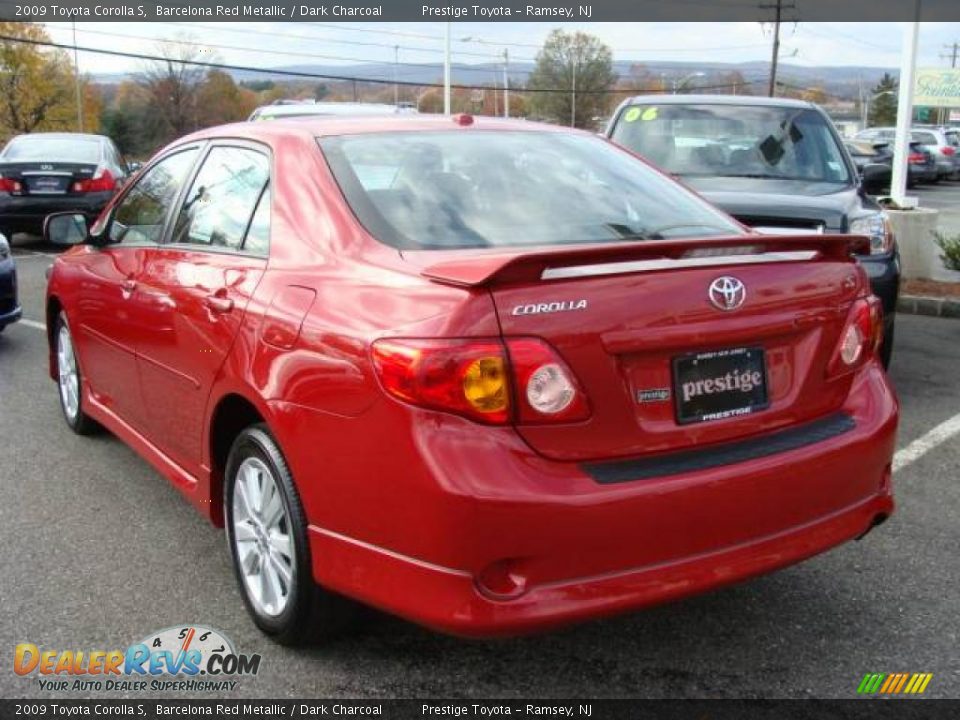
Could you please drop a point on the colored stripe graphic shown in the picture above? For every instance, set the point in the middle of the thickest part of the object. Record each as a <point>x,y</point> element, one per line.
<point>894,683</point>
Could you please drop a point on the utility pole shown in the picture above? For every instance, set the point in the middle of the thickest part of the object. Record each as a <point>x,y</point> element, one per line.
<point>778,7</point>
<point>76,75</point>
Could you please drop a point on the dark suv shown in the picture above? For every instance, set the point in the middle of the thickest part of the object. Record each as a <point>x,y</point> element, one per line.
<point>43,173</point>
<point>776,165</point>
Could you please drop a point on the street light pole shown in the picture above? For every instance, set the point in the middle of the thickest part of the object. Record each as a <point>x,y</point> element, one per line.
<point>446,72</point>
<point>506,83</point>
<point>396,87</point>
<point>573,94</point>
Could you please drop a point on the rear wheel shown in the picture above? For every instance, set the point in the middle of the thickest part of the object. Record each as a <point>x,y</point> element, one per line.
<point>70,381</point>
<point>267,534</point>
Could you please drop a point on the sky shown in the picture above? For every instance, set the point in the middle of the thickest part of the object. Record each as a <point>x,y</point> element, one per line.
<point>269,44</point>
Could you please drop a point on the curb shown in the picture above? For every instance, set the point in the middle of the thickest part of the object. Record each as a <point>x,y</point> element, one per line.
<point>933,306</point>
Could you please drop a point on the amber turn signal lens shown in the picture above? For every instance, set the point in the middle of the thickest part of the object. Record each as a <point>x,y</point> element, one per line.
<point>485,385</point>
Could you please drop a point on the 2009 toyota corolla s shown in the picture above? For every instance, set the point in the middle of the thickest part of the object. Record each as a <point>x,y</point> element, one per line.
<point>490,376</point>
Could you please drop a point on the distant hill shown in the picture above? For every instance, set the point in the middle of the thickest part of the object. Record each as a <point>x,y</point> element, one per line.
<point>838,81</point>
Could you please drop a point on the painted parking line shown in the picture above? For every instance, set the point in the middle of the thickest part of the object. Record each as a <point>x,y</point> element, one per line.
<point>32,324</point>
<point>32,255</point>
<point>922,445</point>
<point>914,451</point>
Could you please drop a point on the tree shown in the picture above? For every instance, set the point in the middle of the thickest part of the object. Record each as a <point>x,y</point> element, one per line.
<point>220,100</point>
<point>37,86</point>
<point>172,86</point>
<point>883,102</point>
<point>578,70</point>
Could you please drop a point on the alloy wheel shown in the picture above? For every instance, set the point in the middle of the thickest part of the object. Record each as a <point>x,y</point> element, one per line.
<point>264,547</point>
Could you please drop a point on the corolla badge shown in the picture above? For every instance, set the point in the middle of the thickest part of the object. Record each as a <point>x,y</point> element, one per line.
<point>727,293</point>
<point>550,307</point>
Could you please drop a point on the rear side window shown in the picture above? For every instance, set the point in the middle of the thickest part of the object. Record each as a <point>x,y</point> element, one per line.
<point>953,139</point>
<point>140,215</point>
<point>222,198</point>
<point>37,148</point>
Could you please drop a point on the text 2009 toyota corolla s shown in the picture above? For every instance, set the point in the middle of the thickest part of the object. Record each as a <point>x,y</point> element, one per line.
<point>490,376</point>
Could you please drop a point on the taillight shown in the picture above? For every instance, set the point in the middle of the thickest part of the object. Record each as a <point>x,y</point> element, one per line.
<point>466,377</point>
<point>103,181</point>
<point>547,390</point>
<point>10,185</point>
<point>947,150</point>
<point>916,158</point>
<point>861,337</point>
<point>479,380</point>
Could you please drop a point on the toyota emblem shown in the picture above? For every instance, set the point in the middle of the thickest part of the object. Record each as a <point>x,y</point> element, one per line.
<point>727,293</point>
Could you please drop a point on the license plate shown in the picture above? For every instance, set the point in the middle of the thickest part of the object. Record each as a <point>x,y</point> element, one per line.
<point>719,384</point>
<point>46,185</point>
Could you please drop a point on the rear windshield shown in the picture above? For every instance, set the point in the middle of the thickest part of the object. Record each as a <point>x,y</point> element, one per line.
<point>29,148</point>
<point>735,141</point>
<point>477,189</point>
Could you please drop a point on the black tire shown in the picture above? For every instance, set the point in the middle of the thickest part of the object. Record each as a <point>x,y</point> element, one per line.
<point>311,612</point>
<point>79,422</point>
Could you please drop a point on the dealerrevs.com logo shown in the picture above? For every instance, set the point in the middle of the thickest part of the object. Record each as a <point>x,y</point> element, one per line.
<point>190,658</point>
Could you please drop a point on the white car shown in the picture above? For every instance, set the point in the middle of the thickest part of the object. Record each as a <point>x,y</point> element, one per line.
<point>312,109</point>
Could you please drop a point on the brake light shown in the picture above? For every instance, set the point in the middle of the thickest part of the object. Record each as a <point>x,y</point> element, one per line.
<point>861,337</point>
<point>479,380</point>
<point>10,185</point>
<point>947,150</point>
<point>466,377</point>
<point>103,181</point>
<point>916,158</point>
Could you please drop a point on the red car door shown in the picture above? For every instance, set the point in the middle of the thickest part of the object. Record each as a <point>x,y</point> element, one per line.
<point>108,317</point>
<point>197,286</point>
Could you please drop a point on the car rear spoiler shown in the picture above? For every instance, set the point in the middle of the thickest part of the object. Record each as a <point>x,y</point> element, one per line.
<point>650,255</point>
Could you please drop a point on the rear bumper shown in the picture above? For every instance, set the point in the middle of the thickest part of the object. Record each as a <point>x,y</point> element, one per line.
<point>26,214</point>
<point>575,549</point>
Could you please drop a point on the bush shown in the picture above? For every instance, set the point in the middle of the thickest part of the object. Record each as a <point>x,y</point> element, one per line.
<point>951,249</point>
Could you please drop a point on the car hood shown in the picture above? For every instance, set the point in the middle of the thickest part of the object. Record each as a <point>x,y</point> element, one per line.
<point>757,201</point>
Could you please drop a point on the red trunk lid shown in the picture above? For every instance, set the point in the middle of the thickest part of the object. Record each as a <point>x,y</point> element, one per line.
<point>627,320</point>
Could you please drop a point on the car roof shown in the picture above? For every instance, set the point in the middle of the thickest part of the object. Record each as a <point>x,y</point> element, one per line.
<point>326,108</point>
<point>331,125</point>
<point>685,99</point>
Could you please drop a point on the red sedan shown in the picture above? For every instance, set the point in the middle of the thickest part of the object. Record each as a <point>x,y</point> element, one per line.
<point>490,376</point>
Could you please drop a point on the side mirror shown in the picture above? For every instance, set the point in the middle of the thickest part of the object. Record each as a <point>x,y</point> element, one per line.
<point>134,166</point>
<point>65,228</point>
<point>875,176</point>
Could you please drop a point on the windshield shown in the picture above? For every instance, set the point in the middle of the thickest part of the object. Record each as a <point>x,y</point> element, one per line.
<point>473,189</point>
<point>36,147</point>
<point>734,141</point>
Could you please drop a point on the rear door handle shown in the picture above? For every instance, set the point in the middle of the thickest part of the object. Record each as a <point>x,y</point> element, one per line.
<point>218,303</point>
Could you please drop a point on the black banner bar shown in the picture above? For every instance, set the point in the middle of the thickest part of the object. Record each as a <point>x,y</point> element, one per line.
<point>861,709</point>
<point>548,11</point>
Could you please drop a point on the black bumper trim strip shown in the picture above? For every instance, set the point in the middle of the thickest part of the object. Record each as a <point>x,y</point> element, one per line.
<point>718,455</point>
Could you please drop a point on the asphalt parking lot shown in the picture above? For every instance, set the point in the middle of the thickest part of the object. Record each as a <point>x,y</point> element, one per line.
<point>98,551</point>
